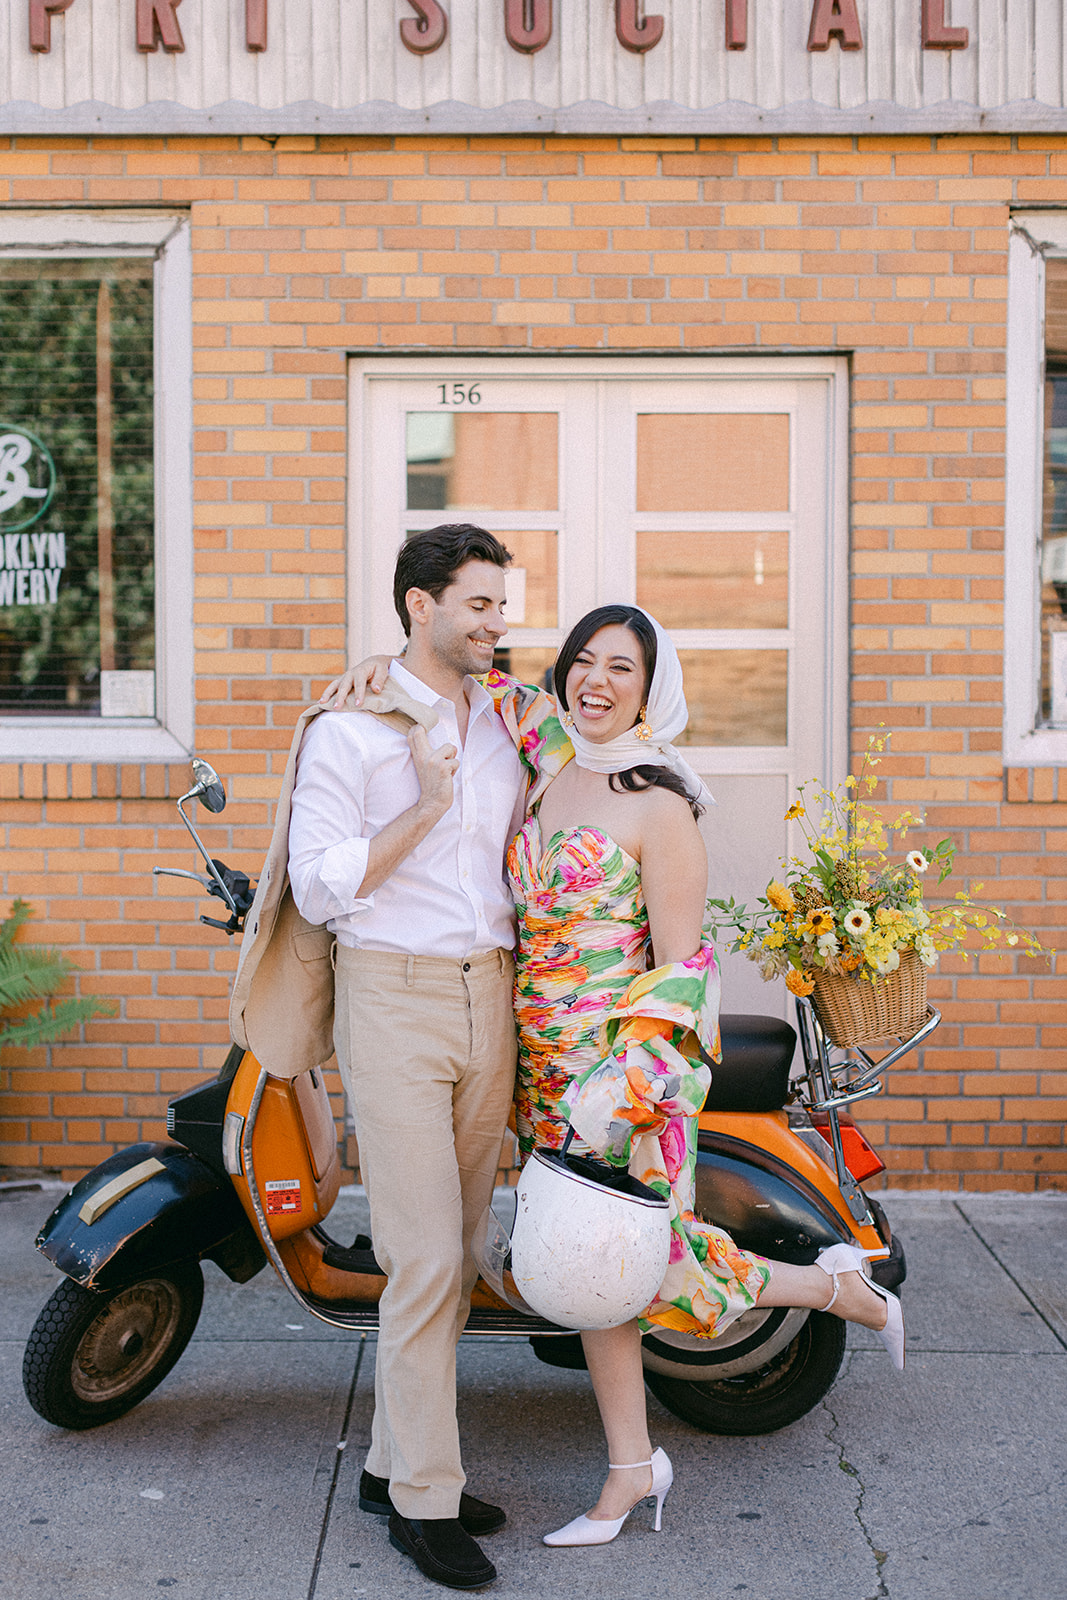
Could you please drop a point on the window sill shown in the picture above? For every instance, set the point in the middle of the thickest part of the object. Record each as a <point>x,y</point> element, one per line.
<point>97,741</point>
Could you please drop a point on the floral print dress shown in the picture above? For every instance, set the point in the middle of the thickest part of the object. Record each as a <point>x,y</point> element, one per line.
<point>613,1049</point>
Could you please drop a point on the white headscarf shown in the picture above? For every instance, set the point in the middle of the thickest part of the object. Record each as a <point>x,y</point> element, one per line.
<point>666,715</point>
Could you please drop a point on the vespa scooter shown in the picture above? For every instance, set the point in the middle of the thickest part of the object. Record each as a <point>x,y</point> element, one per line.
<point>250,1172</point>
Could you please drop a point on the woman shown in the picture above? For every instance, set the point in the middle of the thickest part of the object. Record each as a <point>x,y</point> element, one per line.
<point>613,982</point>
<point>609,874</point>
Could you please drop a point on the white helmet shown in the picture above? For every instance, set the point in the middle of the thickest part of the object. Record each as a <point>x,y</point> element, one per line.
<point>589,1247</point>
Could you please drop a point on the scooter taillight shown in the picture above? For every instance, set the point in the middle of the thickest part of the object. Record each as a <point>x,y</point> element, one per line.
<point>861,1159</point>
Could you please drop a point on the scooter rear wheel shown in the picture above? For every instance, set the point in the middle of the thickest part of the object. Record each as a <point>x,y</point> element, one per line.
<point>782,1391</point>
<point>93,1357</point>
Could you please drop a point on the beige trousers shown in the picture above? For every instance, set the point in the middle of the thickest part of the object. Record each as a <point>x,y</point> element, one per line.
<point>427,1051</point>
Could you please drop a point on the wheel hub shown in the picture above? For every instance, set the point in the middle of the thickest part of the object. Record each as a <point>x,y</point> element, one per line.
<point>125,1339</point>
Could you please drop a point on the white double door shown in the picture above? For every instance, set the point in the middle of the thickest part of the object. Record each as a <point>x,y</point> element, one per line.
<point>711,491</point>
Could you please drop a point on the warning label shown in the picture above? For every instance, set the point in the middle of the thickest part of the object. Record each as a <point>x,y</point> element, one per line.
<point>283,1194</point>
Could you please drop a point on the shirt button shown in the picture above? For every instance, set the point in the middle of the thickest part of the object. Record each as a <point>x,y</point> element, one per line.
<point>466,966</point>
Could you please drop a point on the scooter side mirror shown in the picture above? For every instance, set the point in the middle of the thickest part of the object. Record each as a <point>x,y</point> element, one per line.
<point>208,787</point>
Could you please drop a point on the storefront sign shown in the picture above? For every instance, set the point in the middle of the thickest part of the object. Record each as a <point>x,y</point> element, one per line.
<point>706,67</point>
<point>30,566</point>
<point>30,562</point>
<point>527,25</point>
<point>27,478</point>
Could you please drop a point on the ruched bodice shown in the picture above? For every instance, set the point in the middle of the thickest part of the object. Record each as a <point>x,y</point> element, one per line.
<point>583,934</point>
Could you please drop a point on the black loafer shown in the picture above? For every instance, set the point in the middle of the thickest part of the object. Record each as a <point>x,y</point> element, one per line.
<point>475,1516</point>
<point>441,1550</point>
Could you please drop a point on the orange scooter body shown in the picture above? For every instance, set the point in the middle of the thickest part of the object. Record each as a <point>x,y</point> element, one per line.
<point>294,1149</point>
<point>298,1175</point>
<point>769,1131</point>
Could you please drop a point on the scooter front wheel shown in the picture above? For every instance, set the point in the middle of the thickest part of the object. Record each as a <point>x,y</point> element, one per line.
<point>784,1389</point>
<point>93,1357</point>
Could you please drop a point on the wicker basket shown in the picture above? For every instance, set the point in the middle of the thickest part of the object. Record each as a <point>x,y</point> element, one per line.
<point>853,1010</point>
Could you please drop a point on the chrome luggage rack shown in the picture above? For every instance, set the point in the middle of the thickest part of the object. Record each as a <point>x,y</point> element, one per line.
<point>830,1086</point>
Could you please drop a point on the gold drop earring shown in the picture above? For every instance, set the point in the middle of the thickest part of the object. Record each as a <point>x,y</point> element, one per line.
<point>642,730</point>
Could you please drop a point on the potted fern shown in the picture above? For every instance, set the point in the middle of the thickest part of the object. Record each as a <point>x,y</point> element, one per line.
<point>33,972</point>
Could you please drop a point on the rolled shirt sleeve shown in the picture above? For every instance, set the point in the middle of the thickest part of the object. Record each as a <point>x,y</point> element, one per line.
<point>328,851</point>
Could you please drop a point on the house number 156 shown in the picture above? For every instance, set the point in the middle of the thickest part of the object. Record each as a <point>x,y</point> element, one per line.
<point>458,394</point>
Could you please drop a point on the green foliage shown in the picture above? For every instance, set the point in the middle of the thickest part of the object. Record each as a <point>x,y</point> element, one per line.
<point>31,972</point>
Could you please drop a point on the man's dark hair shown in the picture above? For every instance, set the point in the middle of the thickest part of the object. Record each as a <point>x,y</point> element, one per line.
<point>431,559</point>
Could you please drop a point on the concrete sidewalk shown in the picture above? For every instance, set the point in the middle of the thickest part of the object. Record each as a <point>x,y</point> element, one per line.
<point>236,1479</point>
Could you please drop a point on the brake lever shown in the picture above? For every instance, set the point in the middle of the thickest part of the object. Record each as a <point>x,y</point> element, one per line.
<point>234,925</point>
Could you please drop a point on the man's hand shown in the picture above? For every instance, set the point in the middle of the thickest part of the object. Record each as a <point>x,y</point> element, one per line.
<point>435,770</point>
<point>354,683</point>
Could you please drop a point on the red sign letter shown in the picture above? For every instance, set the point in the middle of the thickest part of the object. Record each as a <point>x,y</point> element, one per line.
<point>41,22</point>
<point>937,35</point>
<point>156,17</point>
<point>528,24</point>
<point>633,32</point>
<point>834,19</point>
<point>428,33</point>
<point>255,24</point>
<point>736,24</point>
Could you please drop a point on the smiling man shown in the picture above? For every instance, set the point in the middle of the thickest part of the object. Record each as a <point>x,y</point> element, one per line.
<point>396,842</point>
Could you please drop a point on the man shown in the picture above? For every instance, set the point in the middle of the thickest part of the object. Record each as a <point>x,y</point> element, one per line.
<point>396,842</point>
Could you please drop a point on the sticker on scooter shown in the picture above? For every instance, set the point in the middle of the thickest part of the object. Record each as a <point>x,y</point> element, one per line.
<point>283,1194</point>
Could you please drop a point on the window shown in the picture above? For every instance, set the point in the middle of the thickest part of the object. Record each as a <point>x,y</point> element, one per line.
<point>95,580</point>
<point>1035,651</point>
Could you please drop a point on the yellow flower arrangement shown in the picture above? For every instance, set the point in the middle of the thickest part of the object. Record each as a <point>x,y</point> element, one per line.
<point>852,908</point>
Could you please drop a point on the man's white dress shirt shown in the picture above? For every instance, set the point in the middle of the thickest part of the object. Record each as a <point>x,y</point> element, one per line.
<point>355,774</point>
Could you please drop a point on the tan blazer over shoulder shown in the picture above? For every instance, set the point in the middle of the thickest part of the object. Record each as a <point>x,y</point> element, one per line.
<point>281,1007</point>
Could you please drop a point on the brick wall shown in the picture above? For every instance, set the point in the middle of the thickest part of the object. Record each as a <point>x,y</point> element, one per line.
<point>892,249</point>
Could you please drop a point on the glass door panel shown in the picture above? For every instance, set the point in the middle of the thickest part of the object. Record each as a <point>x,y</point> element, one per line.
<point>736,697</point>
<point>714,579</point>
<point>533,578</point>
<point>482,461</point>
<point>712,461</point>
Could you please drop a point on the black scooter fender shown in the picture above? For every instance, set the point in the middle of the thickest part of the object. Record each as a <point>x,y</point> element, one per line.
<point>765,1206</point>
<point>144,1209</point>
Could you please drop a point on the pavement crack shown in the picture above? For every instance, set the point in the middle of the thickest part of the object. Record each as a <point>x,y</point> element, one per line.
<point>338,1456</point>
<point>984,1242</point>
<point>879,1557</point>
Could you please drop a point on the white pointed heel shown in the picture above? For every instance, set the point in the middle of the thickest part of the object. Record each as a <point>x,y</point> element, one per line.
<point>601,1530</point>
<point>849,1258</point>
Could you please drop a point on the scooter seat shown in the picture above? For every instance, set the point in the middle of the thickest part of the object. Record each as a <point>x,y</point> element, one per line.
<point>753,1075</point>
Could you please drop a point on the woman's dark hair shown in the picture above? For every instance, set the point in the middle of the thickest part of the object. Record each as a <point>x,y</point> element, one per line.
<point>634,779</point>
<point>431,559</point>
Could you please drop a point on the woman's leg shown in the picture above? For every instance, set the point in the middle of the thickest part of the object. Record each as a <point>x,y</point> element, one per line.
<point>811,1286</point>
<point>613,1356</point>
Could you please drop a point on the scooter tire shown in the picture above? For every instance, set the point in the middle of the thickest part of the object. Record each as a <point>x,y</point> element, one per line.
<point>771,1397</point>
<point>92,1357</point>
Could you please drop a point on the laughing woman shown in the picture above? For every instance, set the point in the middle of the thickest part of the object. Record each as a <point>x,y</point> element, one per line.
<point>614,986</point>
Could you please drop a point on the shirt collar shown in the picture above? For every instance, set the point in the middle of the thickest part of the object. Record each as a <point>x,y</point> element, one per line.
<point>478,697</point>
